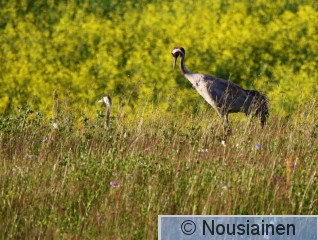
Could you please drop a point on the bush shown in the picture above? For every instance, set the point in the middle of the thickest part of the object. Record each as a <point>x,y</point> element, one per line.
<point>85,49</point>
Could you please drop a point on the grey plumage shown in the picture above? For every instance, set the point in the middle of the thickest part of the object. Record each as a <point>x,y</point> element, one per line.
<point>224,96</point>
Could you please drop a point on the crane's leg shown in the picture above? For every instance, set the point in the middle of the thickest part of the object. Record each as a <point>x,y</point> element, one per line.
<point>226,124</point>
<point>226,118</point>
<point>262,119</point>
<point>225,121</point>
<point>228,129</point>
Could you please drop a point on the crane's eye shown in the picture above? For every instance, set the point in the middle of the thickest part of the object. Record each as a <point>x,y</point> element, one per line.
<point>175,54</point>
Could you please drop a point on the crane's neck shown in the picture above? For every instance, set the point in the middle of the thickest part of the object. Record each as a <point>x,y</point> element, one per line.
<point>183,67</point>
<point>107,116</point>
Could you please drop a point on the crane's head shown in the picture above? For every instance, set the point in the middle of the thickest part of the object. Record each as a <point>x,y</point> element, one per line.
<point>107,100</point>
<point>176,52</point>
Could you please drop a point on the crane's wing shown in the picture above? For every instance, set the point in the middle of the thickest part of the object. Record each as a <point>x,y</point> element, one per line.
<point>227,95</point>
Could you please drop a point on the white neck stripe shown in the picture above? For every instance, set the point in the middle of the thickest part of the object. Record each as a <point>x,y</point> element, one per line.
<point>176,50</point>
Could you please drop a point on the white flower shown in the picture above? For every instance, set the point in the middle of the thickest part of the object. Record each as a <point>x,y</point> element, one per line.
<point>203,150</point>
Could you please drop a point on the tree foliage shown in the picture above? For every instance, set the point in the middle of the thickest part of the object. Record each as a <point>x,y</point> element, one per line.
<point>85,49</point>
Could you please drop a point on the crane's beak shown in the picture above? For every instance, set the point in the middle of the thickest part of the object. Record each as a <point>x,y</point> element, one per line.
<point>174,62</point>
<point>100,100</point>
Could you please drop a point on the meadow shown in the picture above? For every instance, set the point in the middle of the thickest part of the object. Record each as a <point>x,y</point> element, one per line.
<point>64,175</point>
<point>84,181</point>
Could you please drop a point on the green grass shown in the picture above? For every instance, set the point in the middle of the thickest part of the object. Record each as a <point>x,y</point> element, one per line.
<point>85,181</point>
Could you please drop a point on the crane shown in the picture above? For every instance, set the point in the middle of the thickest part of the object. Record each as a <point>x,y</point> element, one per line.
<point>108,102</point>
<point>224,96</point>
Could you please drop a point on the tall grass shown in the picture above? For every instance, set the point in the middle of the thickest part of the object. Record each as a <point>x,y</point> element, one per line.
<point>85,181</point>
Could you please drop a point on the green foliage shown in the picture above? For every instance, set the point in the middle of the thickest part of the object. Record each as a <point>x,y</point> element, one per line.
<point>85,49</point>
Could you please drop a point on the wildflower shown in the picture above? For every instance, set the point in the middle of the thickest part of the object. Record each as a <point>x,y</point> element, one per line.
<point>114,184</point>
<point>30,156</point>
<point>203,150</point>
<point>223,143</point>
<point>225,187</point>
<point>55,125</point>
<point>99,218</point>
<point>278,179</point>
<point>258,146</point>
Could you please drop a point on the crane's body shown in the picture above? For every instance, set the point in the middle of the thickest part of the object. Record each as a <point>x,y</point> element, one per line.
<point>224,96</point>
